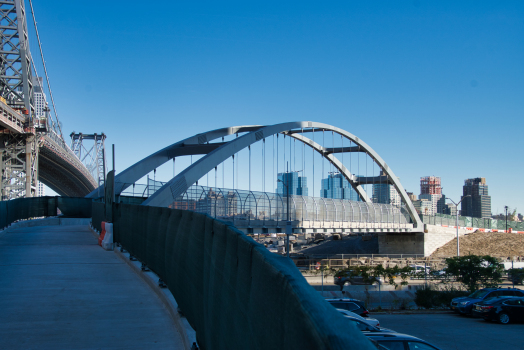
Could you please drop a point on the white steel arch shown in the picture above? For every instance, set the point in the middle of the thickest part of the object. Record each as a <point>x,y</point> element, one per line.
<point>216,153</point>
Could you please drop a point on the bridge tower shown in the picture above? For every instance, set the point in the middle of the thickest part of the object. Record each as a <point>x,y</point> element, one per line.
<point>18,148</point>
<point>94,157</point>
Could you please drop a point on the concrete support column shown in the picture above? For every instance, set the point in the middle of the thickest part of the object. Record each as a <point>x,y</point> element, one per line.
<point>28,167</point>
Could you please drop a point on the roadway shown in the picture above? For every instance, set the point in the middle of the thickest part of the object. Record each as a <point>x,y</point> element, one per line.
<point>60,290</point>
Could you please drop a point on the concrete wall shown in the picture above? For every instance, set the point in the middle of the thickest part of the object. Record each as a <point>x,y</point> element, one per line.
<point>401,243</point>
<point>417,242</point>
<point>438,236</point>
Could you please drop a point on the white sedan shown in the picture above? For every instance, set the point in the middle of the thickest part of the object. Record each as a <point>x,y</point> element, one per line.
<point>372,321</point>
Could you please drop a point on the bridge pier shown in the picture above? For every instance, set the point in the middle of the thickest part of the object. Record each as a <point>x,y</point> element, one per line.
<point>426,242</point>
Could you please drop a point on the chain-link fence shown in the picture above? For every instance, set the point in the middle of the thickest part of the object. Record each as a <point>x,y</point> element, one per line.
<point>265,208</point>
<point>467,221</point>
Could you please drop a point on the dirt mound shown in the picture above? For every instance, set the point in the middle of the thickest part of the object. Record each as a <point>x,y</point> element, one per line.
<point>485,243</point>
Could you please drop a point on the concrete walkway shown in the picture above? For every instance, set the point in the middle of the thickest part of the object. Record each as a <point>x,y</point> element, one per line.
<point>60,290</point>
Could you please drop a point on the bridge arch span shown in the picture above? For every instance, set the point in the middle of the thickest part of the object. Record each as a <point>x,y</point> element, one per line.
<point>216,153</point>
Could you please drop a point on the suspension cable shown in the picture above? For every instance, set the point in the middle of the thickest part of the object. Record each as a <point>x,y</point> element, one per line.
<point>45,69</point>
<point>264,165</point>
<point>249,148</point>
<point>223,172</point>
<point>323,156</point>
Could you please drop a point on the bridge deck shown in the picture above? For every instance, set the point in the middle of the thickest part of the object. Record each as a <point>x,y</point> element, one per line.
<point>59,290</point>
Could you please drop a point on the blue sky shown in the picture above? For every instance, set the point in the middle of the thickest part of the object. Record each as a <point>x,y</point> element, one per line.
<point>435,87</point>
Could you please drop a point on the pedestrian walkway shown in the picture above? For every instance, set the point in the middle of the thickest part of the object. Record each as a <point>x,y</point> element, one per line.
<point>60,290</point>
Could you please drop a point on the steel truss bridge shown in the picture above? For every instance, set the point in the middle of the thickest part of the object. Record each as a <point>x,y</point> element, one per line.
<point>32,148</point>
<point>215,150</point>
<point>29,156</point>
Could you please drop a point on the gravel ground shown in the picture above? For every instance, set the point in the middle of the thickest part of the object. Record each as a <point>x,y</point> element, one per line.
<point>485,243</point>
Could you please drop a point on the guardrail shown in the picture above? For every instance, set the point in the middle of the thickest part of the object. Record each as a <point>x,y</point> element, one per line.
<point>233,291</point>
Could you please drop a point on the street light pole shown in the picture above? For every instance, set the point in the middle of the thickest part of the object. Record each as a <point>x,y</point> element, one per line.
<point>457,220</point>
<point>506,207</point>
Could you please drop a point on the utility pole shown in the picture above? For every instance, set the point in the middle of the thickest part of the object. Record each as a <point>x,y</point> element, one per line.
<point>506,207</point>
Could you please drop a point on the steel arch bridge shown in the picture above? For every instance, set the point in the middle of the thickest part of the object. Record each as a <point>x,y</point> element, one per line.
<point>217,152</point>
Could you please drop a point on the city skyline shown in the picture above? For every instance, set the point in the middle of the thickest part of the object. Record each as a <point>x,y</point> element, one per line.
<point>393,74</point>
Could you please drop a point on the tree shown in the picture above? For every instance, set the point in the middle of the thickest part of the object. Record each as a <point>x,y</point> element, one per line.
<point>475,271</point>
<point>389,273</point>
<point>371,274</point>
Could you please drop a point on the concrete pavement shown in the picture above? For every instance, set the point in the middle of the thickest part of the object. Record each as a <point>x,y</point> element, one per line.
<point>60,290</point>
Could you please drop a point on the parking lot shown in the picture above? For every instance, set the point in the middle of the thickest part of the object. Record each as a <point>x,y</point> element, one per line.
<point>451,331</point>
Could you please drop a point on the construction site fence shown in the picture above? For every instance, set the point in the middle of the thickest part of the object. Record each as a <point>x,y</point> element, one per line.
<point>36,207</point>
<point>315,264</point>
<point>232,290</point>
<point>467,221</point>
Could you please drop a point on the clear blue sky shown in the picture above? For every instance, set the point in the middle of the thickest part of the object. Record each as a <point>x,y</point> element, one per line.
<point>435,87</point>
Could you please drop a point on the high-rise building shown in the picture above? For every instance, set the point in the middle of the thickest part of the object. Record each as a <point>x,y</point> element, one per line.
<point>450,209</point>
<point>431,190</point>
<point>40,100</point>
<point>385,193</point>
<point>423,206</point>
<point>41,190</point>
<point>297,184</point>
<point>478,205</point>
<point>337,186</point>
<point>441,204</point>
<point>412,196</point>
<point>430,185</point>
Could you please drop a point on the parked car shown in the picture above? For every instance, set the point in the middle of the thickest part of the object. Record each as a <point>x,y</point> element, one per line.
<point>464,305</point>
<point>345,278</point>
<point>365,327</point>
<point>372,321</point>
<point>487,309</point>
<point>502,309</point>
<point>516,276</point>
<point>419,269</point>
<point>352,305</point>
<point>399,341</point>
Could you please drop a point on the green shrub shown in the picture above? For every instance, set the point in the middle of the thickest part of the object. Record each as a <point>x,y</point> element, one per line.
<point>428,297</point>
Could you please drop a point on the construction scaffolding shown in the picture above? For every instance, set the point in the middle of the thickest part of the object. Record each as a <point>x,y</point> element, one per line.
<point>430,185</point>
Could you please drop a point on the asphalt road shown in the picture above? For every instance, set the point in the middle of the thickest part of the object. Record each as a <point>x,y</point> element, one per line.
<point>452,331</point>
